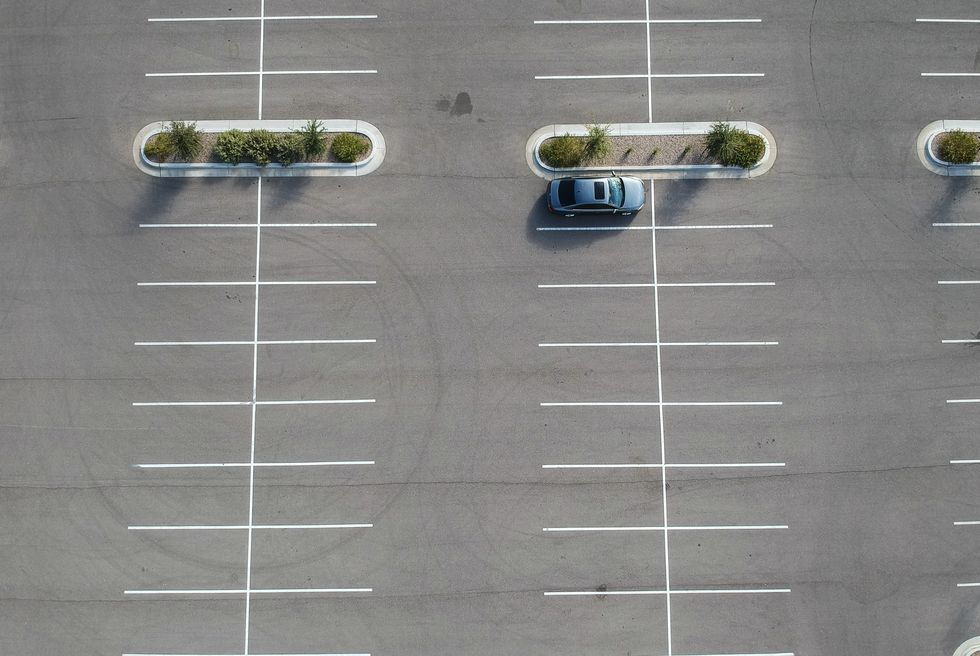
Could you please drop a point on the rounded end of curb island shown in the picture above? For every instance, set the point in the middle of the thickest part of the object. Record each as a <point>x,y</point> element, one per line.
<point>923,148</point>
<point>656,172</point>
<point>300,169</point>
<point>968,648</point>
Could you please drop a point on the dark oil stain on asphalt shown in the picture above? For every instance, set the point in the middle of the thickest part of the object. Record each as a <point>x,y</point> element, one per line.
<point>462,105</point>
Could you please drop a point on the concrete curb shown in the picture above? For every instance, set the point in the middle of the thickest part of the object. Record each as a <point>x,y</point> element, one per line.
<point>971,646</point>
<point>300,169</point>
<point>658,171</point>
<point>923,147</point>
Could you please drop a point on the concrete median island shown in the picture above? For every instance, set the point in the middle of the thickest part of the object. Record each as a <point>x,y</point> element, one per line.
<point>657,150</point>
<point>271,148</point>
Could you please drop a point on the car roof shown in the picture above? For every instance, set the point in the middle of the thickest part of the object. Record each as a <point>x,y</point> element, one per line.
<point>577,191</point>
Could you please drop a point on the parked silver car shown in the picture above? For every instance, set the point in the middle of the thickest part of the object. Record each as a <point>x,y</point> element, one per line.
<point>596,195</point>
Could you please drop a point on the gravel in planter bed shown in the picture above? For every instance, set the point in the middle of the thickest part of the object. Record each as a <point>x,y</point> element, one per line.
<point>637,150</point>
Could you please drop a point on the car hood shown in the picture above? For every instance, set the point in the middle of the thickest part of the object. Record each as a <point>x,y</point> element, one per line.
<point>634,193</point>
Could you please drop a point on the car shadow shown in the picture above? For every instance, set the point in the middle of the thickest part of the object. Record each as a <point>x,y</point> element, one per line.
<point>942,209</point>
<point>674,198</point>
<point>541,226</point>
<point>159,196</point>
<point>280,191</point>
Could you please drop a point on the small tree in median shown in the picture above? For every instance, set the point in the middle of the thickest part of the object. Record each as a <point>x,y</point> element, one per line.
<point>185,139</point>
<point>959,147</point>
<point>597,142</point>
<point>311,139</point>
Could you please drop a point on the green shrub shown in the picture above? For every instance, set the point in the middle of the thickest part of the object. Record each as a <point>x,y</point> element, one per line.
<point>260,146</point>
<point>958,147</point>
<point>289,148</point>
<point>563,152</point>
<point>185,139</point>
<point>159,148</point>
<point>733,147</point>
<point>349,147</point>
<point>311,139</point>
<point>750,152</point>
<point>722,142</point>
<point>230,147</point>
<point>597,143</point>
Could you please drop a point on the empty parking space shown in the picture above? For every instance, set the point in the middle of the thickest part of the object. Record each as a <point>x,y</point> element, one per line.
<point>334,371</point>
<point>329,254</point>
<point>321,44</point>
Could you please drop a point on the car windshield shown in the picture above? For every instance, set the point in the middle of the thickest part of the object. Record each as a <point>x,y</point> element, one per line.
<point>616,192</point>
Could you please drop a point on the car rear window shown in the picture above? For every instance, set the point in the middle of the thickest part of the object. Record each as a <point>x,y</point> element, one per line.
<point>566,192</point>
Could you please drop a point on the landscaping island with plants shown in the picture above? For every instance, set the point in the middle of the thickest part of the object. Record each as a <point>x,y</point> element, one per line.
<point>725,149</point>
<point>252,148</point>
<point>950,147</point>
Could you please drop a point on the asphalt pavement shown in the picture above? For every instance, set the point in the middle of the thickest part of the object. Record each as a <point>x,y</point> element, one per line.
<point>452,434</point>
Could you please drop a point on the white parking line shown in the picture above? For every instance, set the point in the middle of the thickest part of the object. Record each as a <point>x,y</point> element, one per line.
<point>748,527</point>
<point>255,225</point>
<point>732,226</point>
<point>143,404</point>
<point>259,73</point>
<point>970,523</point>
<point>252,283</point>
<point>682,465</point>
<point>663,403</point>
<point>649,21</point>
<point>964,462</point>
<point>324,654</point>
<point>781,653</point>
<point>242,591</point>
<point>961,341</point>
<point>951,75</point>
<point>713,465</point>
<point>717,284</point>
<point>244,527</point>
<point>589,593</point>
<point>217,465</point>
<point>257,18</point>
<point>315,402</point>
<point>962,401</point>
<point>626,76</point>
<point>947,20</point>
<point>261,342</point>
<point>601,344</point>
<point>593,285</point>
<point>967,585</point>
<point>147,404</point>
<point>956,225</point>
